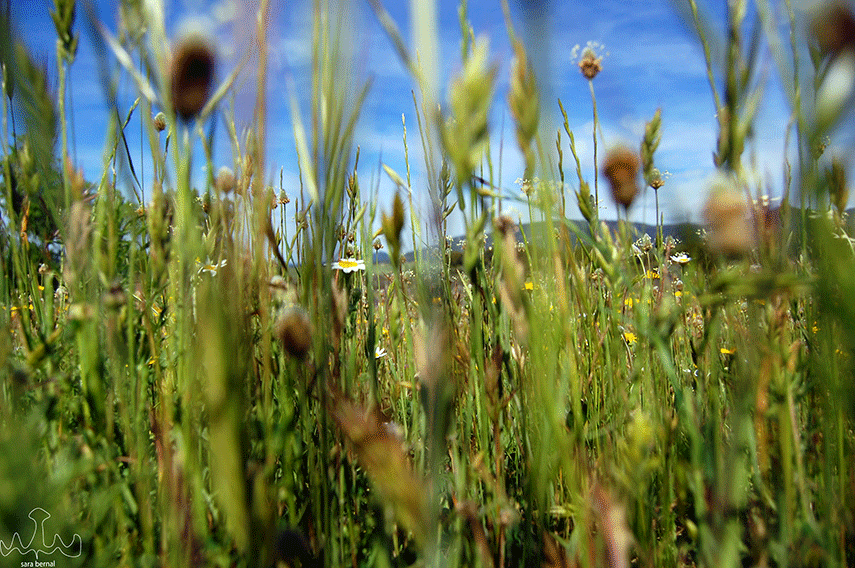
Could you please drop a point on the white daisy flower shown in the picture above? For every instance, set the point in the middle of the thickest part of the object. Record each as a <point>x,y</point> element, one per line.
<point>348,265</point>
<point>680,258</point>
<point>212,268</point>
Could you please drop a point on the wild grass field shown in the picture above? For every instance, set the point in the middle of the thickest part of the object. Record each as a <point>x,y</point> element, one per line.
<point>222,376</point>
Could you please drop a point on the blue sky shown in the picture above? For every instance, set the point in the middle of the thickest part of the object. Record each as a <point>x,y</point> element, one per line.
<point>652,59</point>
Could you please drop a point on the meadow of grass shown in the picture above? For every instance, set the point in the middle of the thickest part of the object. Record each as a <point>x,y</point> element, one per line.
<point>191,381</point>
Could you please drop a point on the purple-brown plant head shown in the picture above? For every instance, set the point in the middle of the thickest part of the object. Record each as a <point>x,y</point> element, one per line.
<point>621,169</point>
<point>192,74</point>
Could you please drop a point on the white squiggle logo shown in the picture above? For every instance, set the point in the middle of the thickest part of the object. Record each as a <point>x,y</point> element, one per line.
<point>71,550</point>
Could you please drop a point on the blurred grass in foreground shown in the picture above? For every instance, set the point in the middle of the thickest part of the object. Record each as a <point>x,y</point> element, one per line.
<point>185,383</point>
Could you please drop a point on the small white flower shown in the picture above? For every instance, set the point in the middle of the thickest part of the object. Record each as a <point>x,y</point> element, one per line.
<point>379,352</point>
<point>680,258</point>
<point>348,265</point>
<point>212,268</point>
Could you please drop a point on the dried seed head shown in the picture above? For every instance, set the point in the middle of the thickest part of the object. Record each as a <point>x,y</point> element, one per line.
<point>591,59</point>
<point>505,226</point>
<point>726,213</point>
<point>385,459</point>
<point>834,27</point>
<point>294,332</point>
<point>77,242</point>
<point>837,184</point>
<point>590,65</point>
<point>159,122</point>
<point>248,166</point>
<point>115,297</point>
<point>225,182</point>
<point>621,169</point>
<point>192,73</point>
<point>75,180</point>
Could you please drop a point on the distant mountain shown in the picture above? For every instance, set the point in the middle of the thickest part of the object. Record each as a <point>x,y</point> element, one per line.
<point>687,233</point>
<point>681,231</point>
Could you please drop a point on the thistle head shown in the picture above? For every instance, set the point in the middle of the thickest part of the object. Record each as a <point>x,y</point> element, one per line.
<point>192,74</point>
<point>621,169</point>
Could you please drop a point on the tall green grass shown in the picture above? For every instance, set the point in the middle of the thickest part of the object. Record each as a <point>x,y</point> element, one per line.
<point>186,383</point>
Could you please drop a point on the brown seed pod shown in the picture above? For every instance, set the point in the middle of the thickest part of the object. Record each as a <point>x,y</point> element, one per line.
<point>192,73</point>
<point>294,332</point>
<point>729,231</point>
<point>225,181</point>
<point>590,65</point>
<point>621,169</point>
<point>833,26</point>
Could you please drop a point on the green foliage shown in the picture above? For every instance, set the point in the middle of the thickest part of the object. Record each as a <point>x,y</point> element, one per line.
<point>191,385</point>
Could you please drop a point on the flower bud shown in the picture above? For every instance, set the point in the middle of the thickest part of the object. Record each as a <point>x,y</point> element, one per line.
<point>159,122</point>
